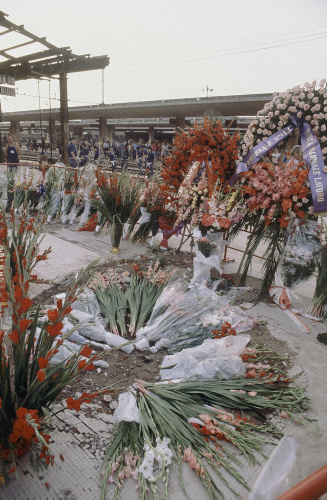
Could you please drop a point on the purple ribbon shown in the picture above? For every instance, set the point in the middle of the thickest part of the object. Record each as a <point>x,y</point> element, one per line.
<point>312,156</point>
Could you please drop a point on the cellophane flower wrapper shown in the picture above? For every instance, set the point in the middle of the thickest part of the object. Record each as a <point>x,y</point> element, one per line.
<point>203,265</point>
<point>189,320</point>
<point>215,359</point>
<point>300,254</point>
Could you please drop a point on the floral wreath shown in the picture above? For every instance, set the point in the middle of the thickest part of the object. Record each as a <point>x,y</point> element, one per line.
<point>307,103</point>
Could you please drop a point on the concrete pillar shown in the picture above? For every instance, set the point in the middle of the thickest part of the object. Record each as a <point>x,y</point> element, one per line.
<point>29,132</point>
<point>103,132</point>
<point>111,134</point>
<point>151,134</point>
<point>14,129</point>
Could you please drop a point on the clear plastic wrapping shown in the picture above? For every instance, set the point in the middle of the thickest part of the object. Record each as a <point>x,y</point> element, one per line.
<point>215,359</point>
<point>189,318</point>
<point>301,251</point>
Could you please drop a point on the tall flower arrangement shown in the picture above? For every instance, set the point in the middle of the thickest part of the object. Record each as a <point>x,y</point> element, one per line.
<point>274,194</point>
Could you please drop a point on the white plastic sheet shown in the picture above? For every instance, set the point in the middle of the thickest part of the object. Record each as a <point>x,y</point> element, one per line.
<point>127,408</point>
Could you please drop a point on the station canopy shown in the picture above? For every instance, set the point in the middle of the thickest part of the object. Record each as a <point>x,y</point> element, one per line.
<point>29,56</point>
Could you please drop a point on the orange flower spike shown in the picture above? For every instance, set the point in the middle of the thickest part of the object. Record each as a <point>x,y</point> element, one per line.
<point>24,324</point>
<point>41,375</point>
<point>81,364</point>
<point>86,351</point>
<point>14,336</point>
<point>89,367</point>
<point>43,362</point>
<point>55,330</point>
<point>53,315</point>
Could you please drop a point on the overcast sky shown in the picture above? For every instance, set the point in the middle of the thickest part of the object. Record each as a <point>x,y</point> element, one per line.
<point>170,49</point>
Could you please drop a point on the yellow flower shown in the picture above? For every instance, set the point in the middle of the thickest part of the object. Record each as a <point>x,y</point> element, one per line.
<point>2,480</point>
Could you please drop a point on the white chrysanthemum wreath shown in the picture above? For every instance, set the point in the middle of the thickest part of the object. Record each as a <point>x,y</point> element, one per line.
<point>307,103</point>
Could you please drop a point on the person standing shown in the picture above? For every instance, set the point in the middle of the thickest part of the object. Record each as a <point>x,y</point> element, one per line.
<point>12,153</point>
<point>72,152</point>
<point>113,161</point>
<point>150,161</point>
<point>12,158</point>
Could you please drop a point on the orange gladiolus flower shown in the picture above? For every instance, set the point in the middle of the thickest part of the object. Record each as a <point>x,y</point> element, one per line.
<point>2,333</point>
<point>14,337</point>
<point>41,375</point>
<point>24,324</point>
<point>89,367</point>
<point>86,351</point>
<point>53,315</point>
<point>43,362</point>
<point>54,330</point>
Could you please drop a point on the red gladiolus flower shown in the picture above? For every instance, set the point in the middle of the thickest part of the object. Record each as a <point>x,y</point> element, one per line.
<point>53,315</point>
<point>81,364</point>
<point>41,257</point>
<point>67,310</point>
<point>24,324</point>
<point>54,330</point>
<point>2,333</point>
<point>21,412</point>
<point>43,362</point>
<point>14,337</point>
<point>86,351</point>
<point>89,367</point>
<point>72,404</point>
<point>26,304</point>
<point>41,375</point>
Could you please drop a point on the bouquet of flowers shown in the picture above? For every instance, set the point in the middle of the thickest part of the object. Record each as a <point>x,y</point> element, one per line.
<point>119,197</point>
<point>29,382</point>
<point>152,206</point>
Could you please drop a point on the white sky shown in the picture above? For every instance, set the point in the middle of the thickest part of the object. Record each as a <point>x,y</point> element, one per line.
<point>169,49</point>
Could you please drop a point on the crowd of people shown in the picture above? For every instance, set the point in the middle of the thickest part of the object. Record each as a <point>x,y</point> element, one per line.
<point>144,154</point>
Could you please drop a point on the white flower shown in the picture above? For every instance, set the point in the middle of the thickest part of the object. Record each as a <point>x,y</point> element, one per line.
<point>306,107</point>
<point>325,168</point>
<point>305,200</point>
<point>315,100</point>
<point>276,112</point>
<point>311,212</point>
<point>299,114</point>
<point>294,199</point>
<point>323,128</point>
<point>323,138</point>
<point>310,95</point>
<point>308,118</point>
<point>259,131</point>
<point>299,204</point>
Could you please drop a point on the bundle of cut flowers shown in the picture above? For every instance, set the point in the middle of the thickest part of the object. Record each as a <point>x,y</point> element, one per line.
<point>274,195</point>
<point>152,206</point>
<point>132,302</point>
<point>119,197</point>
<point>29,384</point>
<point>188,422</point>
